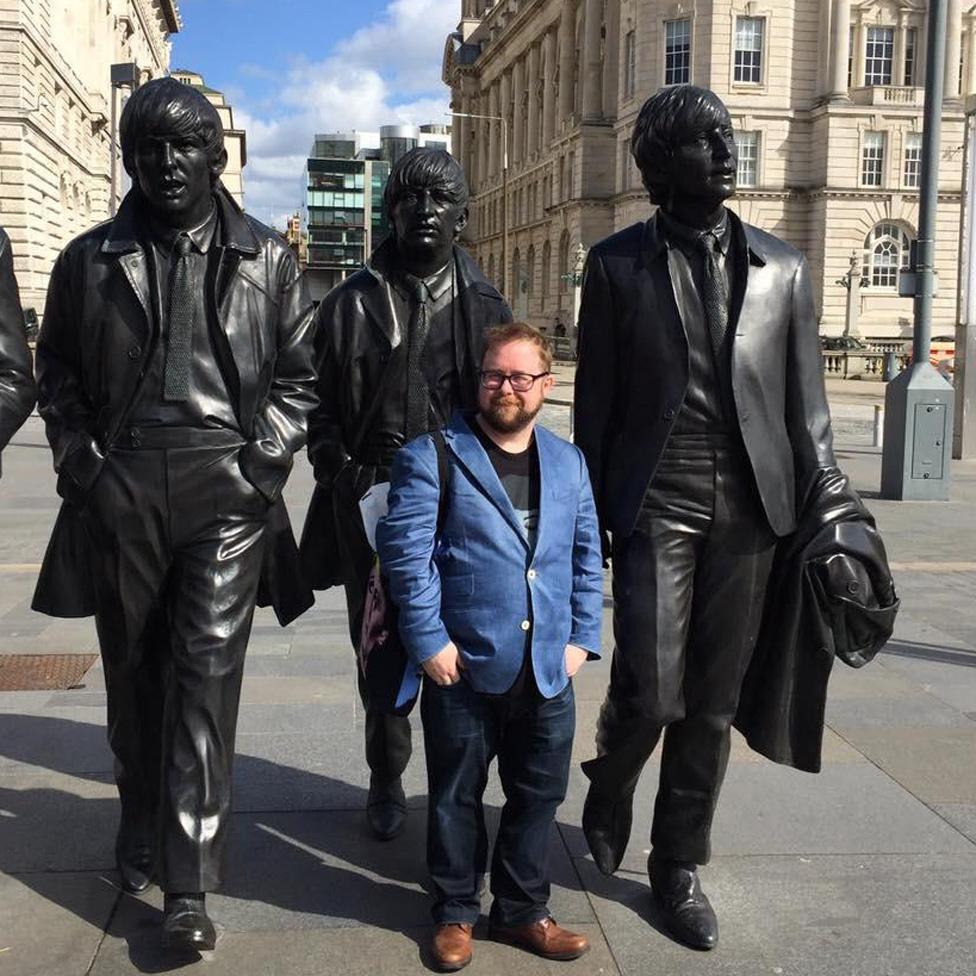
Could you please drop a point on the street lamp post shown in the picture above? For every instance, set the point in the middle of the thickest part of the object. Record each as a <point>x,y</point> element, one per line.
<point>498,118</point>
<point>120,76</point>
<point>918,402</point>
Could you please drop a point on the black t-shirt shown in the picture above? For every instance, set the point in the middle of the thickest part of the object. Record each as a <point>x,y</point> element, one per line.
<point>519,475</point>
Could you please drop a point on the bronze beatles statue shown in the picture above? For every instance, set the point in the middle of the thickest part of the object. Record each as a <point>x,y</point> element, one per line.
<point>701,410</point>
<point>17,391</point>
<point>175,374</point>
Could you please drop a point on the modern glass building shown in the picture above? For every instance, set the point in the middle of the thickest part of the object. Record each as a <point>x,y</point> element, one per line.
<point>346,175</point>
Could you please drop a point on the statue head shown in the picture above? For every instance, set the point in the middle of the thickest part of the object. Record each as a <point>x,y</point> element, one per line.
<point>684,147</point>
<point>426,200</point>
<point>173,148</point>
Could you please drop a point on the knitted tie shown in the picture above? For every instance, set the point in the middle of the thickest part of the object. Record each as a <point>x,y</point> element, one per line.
<point>418,395</point>
<point>714,298</point>
<point>179,336</point>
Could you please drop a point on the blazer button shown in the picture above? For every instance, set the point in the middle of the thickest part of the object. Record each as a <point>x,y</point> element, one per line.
<point>525,625</point>
<point>135,352</point>
<point>531,574</point>
<point>669,414</point>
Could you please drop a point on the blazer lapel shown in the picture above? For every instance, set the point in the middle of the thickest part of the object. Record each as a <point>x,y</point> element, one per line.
<point>467,448</point>
<point>749,284</point>
<point>548,478</point>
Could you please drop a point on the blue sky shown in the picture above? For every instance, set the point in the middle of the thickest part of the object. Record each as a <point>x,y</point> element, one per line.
<point>292,68</point>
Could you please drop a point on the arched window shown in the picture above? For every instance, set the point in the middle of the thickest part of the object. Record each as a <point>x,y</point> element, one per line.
<point>563,266</point>
<point>886,254</point>
<point>546,271</point>
<point>530,273</point>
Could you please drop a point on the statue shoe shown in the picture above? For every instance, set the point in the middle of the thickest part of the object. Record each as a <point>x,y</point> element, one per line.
<point>606,826</point>
<point>450,948</point>
<point>186,925</point>
<point>545,938</point>
<point>683,905</point>
<point>386,808</point>
<point>135,860</point>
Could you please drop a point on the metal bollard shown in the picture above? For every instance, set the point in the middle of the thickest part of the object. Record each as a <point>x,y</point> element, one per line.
<point>878,430</point>
<point>890,366</point>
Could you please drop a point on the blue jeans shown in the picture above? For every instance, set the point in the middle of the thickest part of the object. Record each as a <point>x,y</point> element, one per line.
<point>532,737</point>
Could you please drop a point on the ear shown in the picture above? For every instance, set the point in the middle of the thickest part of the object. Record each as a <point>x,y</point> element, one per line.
<point>219,164</point>
<point>461,222</point>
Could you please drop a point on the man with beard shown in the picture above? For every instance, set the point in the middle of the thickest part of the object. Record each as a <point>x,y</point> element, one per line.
<point>398,346</point>
<point>497,575</point>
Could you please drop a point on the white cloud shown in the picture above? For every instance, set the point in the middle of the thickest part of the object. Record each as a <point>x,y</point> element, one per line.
<point>387,72</point>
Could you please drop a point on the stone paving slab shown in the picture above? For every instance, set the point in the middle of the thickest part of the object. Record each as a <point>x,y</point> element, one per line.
<point>936,765</point>
<point>52,924</point>
<point>860,915</point>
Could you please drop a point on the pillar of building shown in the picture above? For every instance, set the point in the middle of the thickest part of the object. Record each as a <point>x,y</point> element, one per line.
<point>840,32</point>
<point>611,60</point>
<point>592,102</point>
<point>971,67</point>
<point>459,133</point>
<point>494,132</point>
<point>518,111</point>
<point>567,58</point>
<point>953,48</point>
<point>549,87</point>
<point>505,110</point>
<point>898,51</point>
<point>532,142</point>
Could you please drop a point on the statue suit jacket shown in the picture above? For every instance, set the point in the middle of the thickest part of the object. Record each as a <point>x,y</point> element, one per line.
<point>95,341</point>
<point>632,373</point>
<point>17,392</point>
<point>354,343</point>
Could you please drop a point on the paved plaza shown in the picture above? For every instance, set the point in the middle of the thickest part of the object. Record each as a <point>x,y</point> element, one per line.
<point>868,869</point>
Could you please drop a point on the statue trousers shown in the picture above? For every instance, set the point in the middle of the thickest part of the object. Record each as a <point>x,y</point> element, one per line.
<point>177,544</point>
<point>388,737</point>
<point>688,589</point>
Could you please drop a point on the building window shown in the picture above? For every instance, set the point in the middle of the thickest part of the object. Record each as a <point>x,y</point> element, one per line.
<point>872,159</point>
<point>878,55</point>
<point>913,159</point>
<point>850,58</point>
<point>748,49</point>
<point>911,40</point>
<point>563,267</point>
<point>886,254</point>
<point>630,64</point>
<point>677,52</point>
<point>747,145</point>
<point>546,269</point>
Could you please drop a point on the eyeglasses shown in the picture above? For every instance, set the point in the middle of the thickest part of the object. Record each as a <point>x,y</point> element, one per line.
<point>494,379</point>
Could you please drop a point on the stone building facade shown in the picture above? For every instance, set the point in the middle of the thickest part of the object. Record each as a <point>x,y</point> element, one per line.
<point>55,116</point>
<point>826,96</point>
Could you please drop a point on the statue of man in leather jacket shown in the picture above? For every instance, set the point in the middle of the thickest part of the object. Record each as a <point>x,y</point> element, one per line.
<point>175,374</point>
<point>398,349</point>
<point>701,410</point>
<point>17,391</point>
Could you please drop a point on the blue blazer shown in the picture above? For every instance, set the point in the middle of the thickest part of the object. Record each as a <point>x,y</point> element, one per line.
<point>477,582</point>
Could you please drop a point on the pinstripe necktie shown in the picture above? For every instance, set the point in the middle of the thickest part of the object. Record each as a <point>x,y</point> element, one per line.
<point>418,394</point>
<point>179,334</point>
<point>714,297</point>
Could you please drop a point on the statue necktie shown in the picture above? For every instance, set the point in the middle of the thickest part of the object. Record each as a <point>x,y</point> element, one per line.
<point>179,335</point>
<point>418,395</point>
<point>714,297</point>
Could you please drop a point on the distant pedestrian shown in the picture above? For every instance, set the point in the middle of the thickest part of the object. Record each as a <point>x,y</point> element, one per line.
<point>500,602</point>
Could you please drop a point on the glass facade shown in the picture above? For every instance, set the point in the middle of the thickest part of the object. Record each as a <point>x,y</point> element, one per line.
<point>344,211</point>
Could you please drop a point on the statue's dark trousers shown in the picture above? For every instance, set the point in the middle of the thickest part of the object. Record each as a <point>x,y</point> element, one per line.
<point>688,587</point>
<point>177,545</point>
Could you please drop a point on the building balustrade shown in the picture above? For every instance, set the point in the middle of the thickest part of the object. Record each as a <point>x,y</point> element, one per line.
<point>911,96</point>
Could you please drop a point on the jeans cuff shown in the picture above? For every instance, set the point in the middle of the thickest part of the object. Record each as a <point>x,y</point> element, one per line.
<point>526,915</point>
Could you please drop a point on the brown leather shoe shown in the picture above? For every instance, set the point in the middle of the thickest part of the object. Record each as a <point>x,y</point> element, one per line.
<point>545,938</point>
<point>451,946</point>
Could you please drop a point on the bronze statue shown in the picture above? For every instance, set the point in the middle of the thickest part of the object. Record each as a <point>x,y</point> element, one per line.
<point>175,374</point>
<point>17,390</point>
<point>398,349</point>
<point>701,410</point>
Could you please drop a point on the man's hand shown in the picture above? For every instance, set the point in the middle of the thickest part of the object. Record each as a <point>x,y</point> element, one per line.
<point>444,668</point>
<point>574,658</point>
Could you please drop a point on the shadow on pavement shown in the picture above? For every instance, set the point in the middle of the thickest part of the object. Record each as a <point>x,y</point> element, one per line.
<point>931,652</point>
<point>285,860</point>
